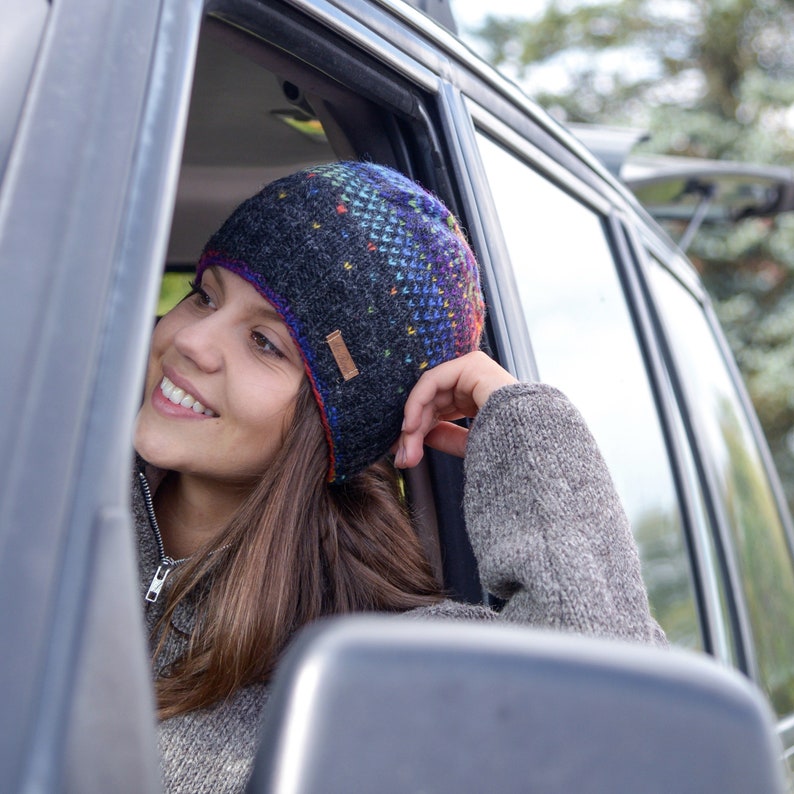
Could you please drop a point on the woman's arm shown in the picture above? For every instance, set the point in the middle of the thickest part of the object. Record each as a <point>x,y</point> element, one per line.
<point>547,527</point>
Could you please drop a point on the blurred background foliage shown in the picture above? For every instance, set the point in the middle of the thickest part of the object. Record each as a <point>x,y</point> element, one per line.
<point>706,78</point>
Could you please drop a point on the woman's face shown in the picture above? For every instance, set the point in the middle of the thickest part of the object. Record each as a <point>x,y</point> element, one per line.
<point>221,383</point>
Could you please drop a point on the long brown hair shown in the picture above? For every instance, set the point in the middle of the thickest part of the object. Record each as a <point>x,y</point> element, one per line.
<point>296,550</point>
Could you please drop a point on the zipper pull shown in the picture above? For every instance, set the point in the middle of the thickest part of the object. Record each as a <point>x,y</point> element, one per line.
<point>160,575</point>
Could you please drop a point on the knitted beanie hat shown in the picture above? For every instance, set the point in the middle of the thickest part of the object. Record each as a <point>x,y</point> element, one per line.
<point>376,283</point>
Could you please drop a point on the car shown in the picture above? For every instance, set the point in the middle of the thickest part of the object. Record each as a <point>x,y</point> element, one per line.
<point>130,130</point>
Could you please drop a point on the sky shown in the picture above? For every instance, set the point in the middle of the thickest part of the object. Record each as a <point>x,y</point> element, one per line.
<point>557,74</point>
<point>471,12</point>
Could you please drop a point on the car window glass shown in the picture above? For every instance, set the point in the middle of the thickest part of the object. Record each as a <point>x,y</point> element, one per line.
<point>735,464</point>
<point>20,34</point>
<point>584,343</point>
<point>712,575</point>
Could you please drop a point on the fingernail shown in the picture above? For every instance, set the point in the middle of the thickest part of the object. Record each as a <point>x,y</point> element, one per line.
<point>399,458</point>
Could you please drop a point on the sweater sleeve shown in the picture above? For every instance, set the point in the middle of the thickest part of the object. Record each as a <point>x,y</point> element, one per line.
<point>547,527</point>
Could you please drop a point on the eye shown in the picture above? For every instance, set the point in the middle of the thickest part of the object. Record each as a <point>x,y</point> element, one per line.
<point>264,345</point>
<point>202,296</point>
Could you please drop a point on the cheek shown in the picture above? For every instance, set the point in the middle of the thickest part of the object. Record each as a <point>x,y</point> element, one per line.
<point>164,331</point>
<point>157,343</point>
<point>266,408</point>
<point>162,339</point>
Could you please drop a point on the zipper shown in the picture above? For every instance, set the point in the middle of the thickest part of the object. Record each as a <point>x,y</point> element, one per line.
<point>167,564</point>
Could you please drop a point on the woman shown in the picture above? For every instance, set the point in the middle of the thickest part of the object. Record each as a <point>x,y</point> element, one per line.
<point>337,315</point>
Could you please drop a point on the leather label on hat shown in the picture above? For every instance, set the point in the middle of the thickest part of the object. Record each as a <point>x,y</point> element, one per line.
<point>342,355</point>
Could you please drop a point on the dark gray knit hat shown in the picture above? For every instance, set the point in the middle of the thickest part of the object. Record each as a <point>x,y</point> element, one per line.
<point>375,281</point>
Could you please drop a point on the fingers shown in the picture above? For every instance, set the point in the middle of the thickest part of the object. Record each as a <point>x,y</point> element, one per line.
<point>448,438</point>
<point>452,390</point>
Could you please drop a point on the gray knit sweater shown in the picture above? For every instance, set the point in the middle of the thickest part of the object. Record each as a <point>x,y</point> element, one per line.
<point>550,537</point>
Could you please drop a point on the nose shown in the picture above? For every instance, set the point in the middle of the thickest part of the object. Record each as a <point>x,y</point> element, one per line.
<point>201,341</point>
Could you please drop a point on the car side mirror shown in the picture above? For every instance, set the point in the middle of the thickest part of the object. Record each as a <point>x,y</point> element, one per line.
<point>384,704</point>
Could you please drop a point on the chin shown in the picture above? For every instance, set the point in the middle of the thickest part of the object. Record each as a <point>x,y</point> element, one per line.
<point>149,444</point>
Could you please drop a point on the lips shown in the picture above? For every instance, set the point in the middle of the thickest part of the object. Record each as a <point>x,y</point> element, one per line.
<point>179,396</point>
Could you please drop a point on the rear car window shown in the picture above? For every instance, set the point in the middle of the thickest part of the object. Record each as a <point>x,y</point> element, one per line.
<point>746,504</point>
<point>584,343</point>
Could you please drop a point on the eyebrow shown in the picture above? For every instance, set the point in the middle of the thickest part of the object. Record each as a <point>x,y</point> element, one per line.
<point>267,311</point>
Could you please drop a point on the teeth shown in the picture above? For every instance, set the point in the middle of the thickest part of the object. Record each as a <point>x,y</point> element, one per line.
<point>180,397</point>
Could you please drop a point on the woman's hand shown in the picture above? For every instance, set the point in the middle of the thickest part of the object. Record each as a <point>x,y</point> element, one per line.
<point>452,390</point>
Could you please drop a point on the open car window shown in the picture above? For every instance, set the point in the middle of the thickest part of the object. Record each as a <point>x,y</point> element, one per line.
<point>257,114</point>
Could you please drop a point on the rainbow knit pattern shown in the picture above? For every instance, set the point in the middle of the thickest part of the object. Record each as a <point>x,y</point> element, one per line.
<point>357,252</point>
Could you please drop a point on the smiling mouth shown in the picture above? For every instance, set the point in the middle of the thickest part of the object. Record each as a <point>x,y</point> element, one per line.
<point>180,397</point>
